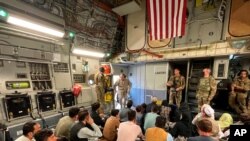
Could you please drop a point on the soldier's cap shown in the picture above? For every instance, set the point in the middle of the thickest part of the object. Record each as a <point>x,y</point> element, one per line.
<point>243,71</point>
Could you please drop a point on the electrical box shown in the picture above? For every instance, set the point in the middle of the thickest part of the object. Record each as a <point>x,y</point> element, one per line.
<point>220,70</point>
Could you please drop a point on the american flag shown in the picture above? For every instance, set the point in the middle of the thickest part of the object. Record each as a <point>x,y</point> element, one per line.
<point>166,18</point>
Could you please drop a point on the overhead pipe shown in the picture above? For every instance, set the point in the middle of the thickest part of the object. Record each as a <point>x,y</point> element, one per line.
<point>152,53</point>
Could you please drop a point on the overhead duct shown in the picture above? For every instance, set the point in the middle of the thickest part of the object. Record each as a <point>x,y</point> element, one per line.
<point>125,7</point>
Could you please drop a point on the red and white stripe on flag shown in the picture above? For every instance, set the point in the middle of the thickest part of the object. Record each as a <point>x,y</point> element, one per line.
<point>166,18</point>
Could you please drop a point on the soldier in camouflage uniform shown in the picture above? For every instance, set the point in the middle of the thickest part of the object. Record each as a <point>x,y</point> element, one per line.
<point>177,84</point>
<point>206,88</point>
<point>100,86</point>
<point>240,88</point>
<point>124,86</point>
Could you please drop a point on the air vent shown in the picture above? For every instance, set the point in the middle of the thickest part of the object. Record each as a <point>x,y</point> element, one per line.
<point>21,75</point>
<point>48,56</point>
<point>7,50</point>
<point>24,52</point>
<point>61,68</point>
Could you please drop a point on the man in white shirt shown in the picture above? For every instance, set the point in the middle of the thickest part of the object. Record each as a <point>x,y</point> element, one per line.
<point>29,129</point>
<point>129,130</point>
<point>79,131</point>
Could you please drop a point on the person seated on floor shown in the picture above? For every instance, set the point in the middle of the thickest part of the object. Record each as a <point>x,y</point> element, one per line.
<point>244,119</point>
<point>143,111</point>
<point>80,132</point>
<point>151,117</point>
<point>225,121</point>
<point>173,116</point>
<point>207,112</point>
<point>138,114</point>
<point>124,111</point>
<point>66,122</point>
<point>158,132</point>
<point>98,118</point>
<point>111,126</point>
<point>205,128</point>
<point>129,130</point>
<point>182,128</point>
<point>29,129</point>
<point>45,135</point>
<point>184,109</point>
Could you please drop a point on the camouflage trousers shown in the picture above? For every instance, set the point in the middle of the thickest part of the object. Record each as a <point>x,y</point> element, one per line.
<point>100,95</point>
<point>175,97</point>
<point>202,98</point>
<point>237,101</point>
<point>122,95</point>
<point>241,99</point>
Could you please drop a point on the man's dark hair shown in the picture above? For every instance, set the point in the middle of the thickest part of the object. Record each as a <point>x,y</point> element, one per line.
<point>204,125</point>
<point>114,112</point>
<point>43,135</point>
<point>138,108</point>
<point>243,71</point>
<point>95,106</point>
<point>131,115</point>
<point>28,127</point>
<point>82,115</point>
<point>73,111</point>
<point>101,69</point>
<point>130,104</point>
<point>160,122</point>
<point>124,75</point>
<point>144,105</point>
<point>155,108</point>
<point>164,103</point>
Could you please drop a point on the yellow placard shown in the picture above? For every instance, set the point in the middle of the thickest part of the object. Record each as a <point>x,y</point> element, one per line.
<point>159,102</point>
<point>108,97</point>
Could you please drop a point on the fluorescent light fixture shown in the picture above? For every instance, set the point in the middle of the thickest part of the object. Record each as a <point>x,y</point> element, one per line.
<point>88,53</point>
<point>33,26</point>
